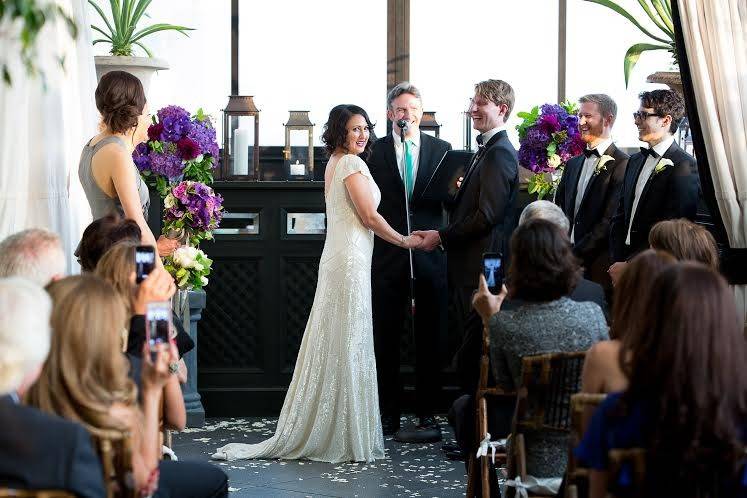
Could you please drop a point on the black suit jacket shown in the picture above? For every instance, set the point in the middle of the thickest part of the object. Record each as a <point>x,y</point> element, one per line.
<point>669,194</point>
<point>481,216</point>
<point>598,205</point>
<point>390,263</point>
<point>42,451</point>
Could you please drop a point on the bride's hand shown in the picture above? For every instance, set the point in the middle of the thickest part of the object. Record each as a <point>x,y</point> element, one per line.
<point>413,241</point>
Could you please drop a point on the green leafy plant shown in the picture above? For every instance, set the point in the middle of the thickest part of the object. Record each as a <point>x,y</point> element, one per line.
<point>660,13</point>
<point>32,15</point>
<point>120,32</point>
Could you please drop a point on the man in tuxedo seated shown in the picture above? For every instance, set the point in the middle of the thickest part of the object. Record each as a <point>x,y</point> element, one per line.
<point>585,290</point>
<point>37,450</point>
<point>660,182</point>
<point>590,188</point>
<point>35,254</point>
<point>404,169</point>
<point>480,218</point>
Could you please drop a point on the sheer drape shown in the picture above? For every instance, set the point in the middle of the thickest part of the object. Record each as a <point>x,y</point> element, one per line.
<point>42,131</point>
<point>715,36</point>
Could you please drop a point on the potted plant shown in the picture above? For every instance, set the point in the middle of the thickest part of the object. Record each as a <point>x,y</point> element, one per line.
<point>123,34</point>
<point>660,13</point>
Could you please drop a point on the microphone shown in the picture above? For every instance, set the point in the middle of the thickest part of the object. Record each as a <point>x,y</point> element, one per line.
<point>402,123</point>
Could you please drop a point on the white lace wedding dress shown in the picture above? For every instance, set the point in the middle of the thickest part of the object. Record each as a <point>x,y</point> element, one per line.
<point>331,410</point>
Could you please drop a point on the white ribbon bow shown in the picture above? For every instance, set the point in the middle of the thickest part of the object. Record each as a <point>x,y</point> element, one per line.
<point>486,443</point>
<point>520,487</point>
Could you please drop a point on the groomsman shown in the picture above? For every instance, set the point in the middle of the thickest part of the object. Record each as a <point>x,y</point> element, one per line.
<point>589,191</point>
<point>404,169</point>
<point>480,217</point>
<point>660,182</point>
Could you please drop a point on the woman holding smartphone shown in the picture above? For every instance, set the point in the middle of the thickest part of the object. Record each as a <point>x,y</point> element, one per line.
<point>109,178</point>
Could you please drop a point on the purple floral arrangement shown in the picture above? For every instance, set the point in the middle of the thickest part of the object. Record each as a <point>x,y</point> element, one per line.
<point>548,138</point>
<point>192,210</point>
<point>179,147</point>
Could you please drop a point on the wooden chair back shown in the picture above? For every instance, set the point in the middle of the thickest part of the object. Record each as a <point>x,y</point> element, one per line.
<point>582,406</point>
<point>34,493</point>
<point>114,449</point>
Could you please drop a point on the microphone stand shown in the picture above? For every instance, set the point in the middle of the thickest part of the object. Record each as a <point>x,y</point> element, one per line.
<point>402,125</point>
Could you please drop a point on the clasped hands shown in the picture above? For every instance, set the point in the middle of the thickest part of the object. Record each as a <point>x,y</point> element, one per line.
<point>425,240</point>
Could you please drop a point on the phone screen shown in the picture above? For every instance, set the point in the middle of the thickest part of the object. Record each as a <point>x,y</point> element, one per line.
<point>157,324</point>
<point>145,261</point>
<point>492,267</point>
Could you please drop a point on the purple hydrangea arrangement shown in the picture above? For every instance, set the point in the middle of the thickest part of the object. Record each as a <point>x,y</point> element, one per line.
<point>179,147</point>
<point>192,210</point>
<point>548,138</point>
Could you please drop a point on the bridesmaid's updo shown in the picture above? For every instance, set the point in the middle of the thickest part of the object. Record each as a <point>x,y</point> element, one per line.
<point>120,99</point>
<point>335,129</point>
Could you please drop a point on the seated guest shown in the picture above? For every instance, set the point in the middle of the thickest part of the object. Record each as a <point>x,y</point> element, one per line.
<point>103,233</point>
<point>584,290</point>
<point>85,380</point>
<point>602,371</point>
<point>686,241</point>
<point>686,402</point>
<point>37,450</point>
<point>542,273</point>
<point>35,254</point>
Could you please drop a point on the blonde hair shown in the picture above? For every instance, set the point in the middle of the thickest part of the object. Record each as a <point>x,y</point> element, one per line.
<point>24,330</point>
<point>117,267</point>
<point>86,372</point>
<point>498,92</point>
<point>35,254</point>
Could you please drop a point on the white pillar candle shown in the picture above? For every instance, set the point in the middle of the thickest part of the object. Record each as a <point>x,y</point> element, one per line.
<point>297,169</point>
<point>241,139</point>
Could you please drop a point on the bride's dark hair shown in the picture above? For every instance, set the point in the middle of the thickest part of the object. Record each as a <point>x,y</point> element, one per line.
<point>336,132</point>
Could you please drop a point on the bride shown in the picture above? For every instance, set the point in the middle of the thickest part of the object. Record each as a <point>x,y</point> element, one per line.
<point>331,410</point>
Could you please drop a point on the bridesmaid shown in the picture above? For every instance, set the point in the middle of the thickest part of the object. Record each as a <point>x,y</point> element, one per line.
<point>109,177</point>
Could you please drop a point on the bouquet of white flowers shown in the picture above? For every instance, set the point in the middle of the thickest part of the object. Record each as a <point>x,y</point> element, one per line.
<point>190,267</point>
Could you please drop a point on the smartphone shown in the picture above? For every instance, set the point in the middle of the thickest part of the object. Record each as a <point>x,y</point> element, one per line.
<point>145,261</point>
<point>492,268</point>
<point>158,325</point>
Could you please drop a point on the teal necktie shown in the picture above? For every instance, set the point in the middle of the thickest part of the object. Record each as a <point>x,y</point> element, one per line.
<point>408,175</point>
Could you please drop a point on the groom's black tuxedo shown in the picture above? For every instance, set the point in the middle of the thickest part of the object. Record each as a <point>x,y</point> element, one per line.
<point>480,220</point>
<point>390,272</point>
<point>591,224</point>
<point>669,194</point>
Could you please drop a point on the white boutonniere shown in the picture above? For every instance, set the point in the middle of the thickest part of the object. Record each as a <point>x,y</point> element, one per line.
<point>662,164</point>
<point>601,164</point>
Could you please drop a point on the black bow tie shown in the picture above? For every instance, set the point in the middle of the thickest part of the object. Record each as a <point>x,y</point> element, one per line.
<point>591,152</point>
<point>649,152</point>
<point>480,141</point>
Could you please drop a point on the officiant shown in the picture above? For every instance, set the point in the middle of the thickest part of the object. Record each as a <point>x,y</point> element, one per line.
<point>403,169</point>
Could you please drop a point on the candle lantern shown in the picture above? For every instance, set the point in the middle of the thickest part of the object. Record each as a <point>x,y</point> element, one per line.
<point>240,139</point>
<point>299,146</point>
<point>429,124</point>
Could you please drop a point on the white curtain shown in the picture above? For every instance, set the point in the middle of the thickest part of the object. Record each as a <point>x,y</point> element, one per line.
<point>715,34</point>
<point>42,132</point>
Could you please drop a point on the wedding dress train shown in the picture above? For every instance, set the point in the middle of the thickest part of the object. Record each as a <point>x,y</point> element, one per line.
<point>331,410</point>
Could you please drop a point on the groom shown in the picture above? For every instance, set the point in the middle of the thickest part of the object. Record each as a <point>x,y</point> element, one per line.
<point>480,217</point>
<point>394,166</point>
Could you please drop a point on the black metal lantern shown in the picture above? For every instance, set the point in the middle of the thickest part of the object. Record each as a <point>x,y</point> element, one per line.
<point>429,124</point>
<point>299,146</point>
<point>240,139</point>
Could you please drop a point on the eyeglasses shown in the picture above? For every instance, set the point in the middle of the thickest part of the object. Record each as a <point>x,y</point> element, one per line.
<point>642,116</point>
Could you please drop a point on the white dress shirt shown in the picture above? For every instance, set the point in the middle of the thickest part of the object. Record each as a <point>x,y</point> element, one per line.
<point>648,169</point>
<point>587,171</point>
<point>491,133</point>
<point>399,152</point>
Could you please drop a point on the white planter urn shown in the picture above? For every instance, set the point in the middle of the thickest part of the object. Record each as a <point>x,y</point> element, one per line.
<point>142,67</point>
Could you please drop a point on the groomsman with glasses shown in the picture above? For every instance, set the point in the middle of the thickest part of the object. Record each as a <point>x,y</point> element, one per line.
<point>402,170</point>
<point>589,191</point>
<point>660,183</point>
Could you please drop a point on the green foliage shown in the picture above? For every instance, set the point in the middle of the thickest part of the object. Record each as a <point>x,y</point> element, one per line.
<point>120,32</point>
<point>32,15</point>
<point>660,13</point>
<point>529,119</point>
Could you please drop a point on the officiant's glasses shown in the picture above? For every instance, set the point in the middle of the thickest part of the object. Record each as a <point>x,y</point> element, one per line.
<point>642,116</point>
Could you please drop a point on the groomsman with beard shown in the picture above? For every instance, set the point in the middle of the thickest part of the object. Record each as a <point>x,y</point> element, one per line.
<point>404,169</point>
<point>660,182</point>
<point>480,218</point>
<point>589,191</point>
